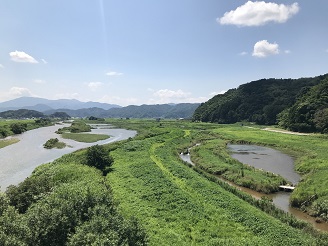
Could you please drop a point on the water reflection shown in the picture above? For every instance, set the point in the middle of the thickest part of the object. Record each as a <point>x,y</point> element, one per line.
<point>17,161</point>
<point>268,159</point>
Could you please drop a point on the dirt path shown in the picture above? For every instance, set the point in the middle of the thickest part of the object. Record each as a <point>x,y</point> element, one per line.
<point>285,131</point>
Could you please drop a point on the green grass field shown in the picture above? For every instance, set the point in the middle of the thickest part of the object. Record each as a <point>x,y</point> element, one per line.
<point>85,137</point>
<point>178,206</point>
<point>173,203</point>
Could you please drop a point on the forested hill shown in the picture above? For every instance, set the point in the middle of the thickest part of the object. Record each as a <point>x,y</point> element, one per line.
<point>257,101</point>
<point>310,112</point>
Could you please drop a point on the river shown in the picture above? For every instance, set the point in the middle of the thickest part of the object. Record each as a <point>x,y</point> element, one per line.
<point>17,161</point>
<point>273,161</point>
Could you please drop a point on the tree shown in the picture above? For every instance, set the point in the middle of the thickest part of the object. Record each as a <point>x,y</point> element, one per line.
<point>98,157</point>
<point>18,128</point>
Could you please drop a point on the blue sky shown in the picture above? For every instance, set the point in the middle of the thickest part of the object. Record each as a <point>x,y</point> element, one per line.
<point>147,52</point>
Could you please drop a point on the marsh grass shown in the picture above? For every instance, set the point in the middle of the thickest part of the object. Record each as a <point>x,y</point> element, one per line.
<point>85,137</point>
<point>179,206</point>
<point>7,142</point>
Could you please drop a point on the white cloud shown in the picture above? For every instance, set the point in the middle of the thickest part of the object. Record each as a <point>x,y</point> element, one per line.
<point>94,85</point>
<point>243,53</point>
<point>15,92</point>
<point>258,13</point>
<point>263,49</point>
<point>39,81</point>
<point>122,101</point>
<point>20,56</point>
<point>214,93</point>
<point>44,61</point>
<point>20,92</point>
<point>112,73</point>
<point>170,96</point>
<point>73,95</point>
<point>287,51</point>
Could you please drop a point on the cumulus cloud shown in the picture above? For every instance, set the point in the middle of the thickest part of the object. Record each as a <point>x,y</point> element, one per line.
<point>259,13</point>
<point>94,85</point>
<point>113,73</point>
<point>21,56</point>
<point>263,49</point>
<point>15,92</point>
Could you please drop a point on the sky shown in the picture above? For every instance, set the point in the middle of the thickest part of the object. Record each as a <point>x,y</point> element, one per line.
<point>133,52</point>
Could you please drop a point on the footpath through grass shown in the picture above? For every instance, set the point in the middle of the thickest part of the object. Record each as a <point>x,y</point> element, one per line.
<point>178,206</point>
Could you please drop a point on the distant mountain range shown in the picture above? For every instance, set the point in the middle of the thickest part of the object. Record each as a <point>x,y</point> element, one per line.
<point>75,108</point>
<point>42,104</point>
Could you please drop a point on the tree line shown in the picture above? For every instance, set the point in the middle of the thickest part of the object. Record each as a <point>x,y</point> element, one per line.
<point>295,104</point>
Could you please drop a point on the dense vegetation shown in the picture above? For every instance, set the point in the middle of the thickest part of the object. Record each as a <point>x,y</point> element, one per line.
<point>29,114</point>
<point>54,143</point>
<point>65,203</point>
<point>258,101</point>
<point>180,207</point>
<point>310,112</point>
<point>11,127</point>
<point>76,127</point>
<point>119,193</point>
<point>84,137</point>
<point>182,110</point>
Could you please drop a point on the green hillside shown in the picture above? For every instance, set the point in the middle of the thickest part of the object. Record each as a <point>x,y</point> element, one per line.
<point>257,101</point>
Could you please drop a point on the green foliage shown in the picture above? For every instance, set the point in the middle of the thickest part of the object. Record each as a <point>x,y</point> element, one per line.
<point>213,157</point>
<point>21,114</point>
<point>66,202</point>
<point>43,122</point>
<point>98,157</point>
<point>176,205</point>
<point>86,138</point>
<point>310,112</point>
<point>258,101</point>
<point>54,143</point>
<point>60,115</point>
<point>76,127</point>
<point>18,128</point>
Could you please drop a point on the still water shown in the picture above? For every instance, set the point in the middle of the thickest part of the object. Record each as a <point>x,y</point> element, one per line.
<point>17,161</point>
<point>273,161</point>
<point>276,162</point>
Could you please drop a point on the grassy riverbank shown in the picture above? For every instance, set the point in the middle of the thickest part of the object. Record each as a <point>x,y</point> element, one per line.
<point>7,142</point>
<point>176,204</point>
<point>85,137</point>
<point>173,203</point>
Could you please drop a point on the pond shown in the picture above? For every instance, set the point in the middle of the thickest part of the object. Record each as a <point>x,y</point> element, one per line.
<point>17,161</point>
<point>269,160</point>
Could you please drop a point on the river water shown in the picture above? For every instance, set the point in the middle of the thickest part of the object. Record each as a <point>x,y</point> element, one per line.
<point>273,161</point>
<point>17,161</point>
